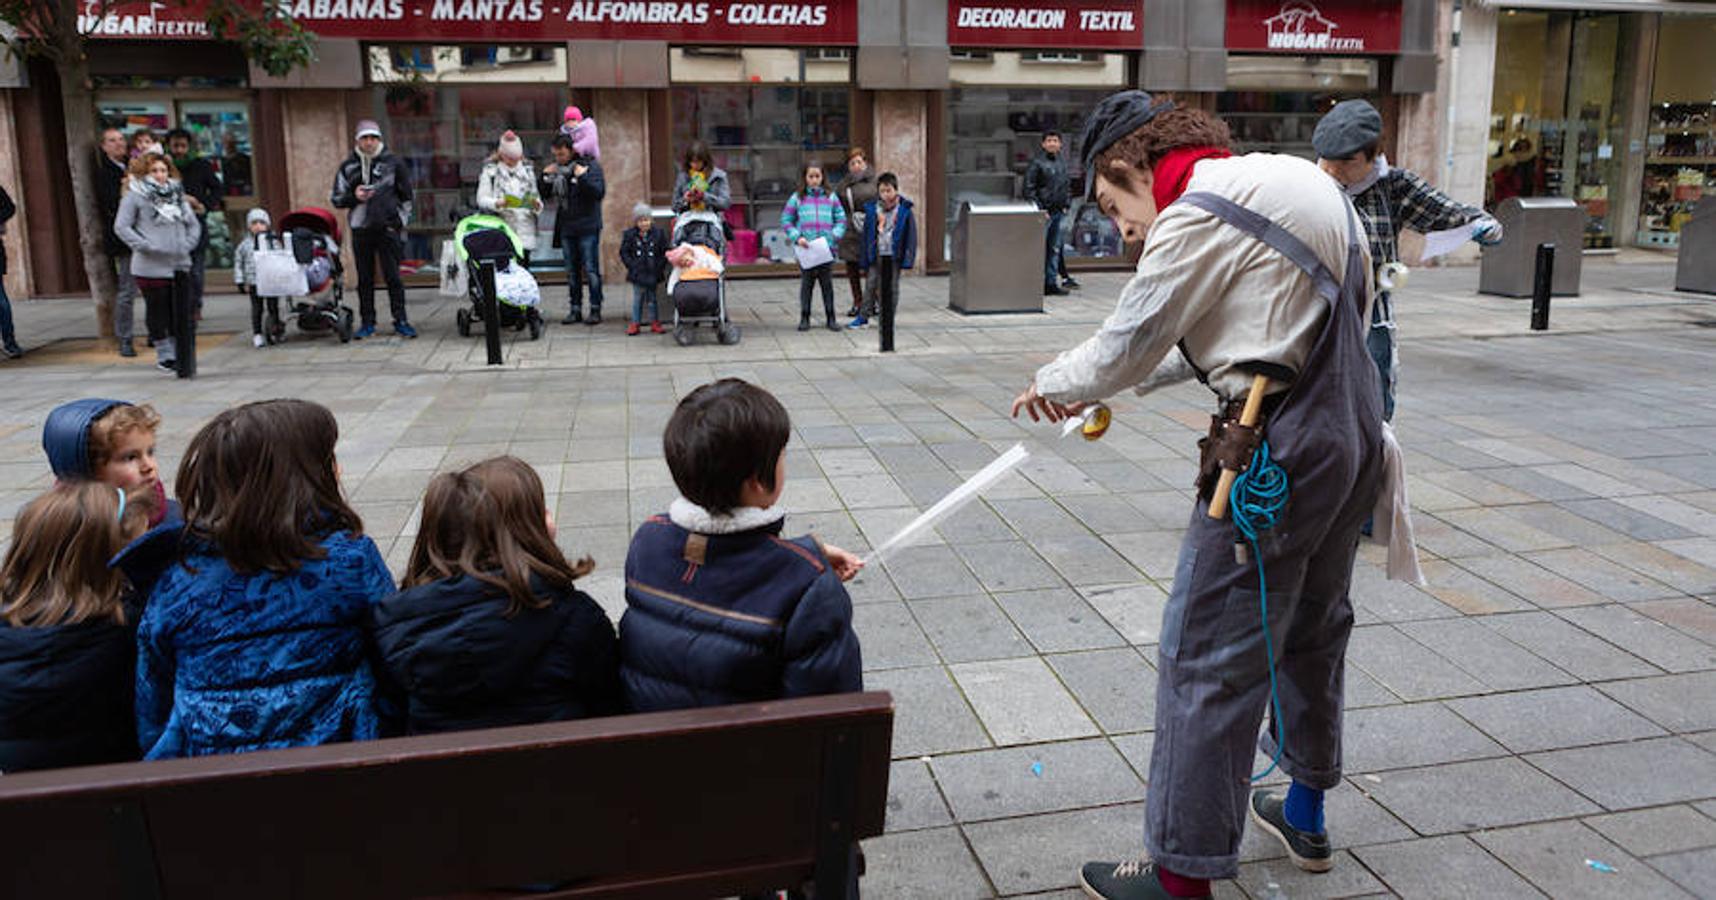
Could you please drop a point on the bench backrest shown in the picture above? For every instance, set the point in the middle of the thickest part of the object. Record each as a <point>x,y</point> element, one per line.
<point>700,802</point>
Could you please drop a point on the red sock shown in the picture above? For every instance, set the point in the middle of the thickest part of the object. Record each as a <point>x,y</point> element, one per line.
<point>1180,885</point>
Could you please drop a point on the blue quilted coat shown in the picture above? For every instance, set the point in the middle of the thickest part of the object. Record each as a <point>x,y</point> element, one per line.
<point>228,663</point>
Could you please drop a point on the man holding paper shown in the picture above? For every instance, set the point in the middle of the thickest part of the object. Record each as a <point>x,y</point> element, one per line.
<point>1347,141</point>
<point>1254,279</point>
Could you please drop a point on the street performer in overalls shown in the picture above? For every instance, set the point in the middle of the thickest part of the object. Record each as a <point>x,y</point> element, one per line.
<point>1252,266</point>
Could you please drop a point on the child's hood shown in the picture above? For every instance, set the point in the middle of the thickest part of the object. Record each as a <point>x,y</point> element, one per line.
<point>65,435</point>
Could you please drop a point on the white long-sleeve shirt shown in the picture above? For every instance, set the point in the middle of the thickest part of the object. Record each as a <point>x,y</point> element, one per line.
<point>1231,298</point>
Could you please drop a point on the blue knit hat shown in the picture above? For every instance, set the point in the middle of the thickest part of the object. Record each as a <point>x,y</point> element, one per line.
<point>65,435</point>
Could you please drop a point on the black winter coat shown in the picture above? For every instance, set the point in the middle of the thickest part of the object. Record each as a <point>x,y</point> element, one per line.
<point>109,187</point>
<point>385,209</point>
<point>1047,184</point>
<point>8,209</point>
<point>645,255</point>
<point>578,198</point>
<point>455,661</point>
<point>66,695</point>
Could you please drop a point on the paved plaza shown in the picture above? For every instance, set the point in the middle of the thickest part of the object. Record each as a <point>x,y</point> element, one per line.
<point>1548,700</point>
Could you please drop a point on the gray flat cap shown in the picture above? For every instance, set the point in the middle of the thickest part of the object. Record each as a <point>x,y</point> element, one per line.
<point>1349,127</point>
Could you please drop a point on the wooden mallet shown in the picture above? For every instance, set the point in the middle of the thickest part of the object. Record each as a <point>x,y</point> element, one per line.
<point>1248,418</point>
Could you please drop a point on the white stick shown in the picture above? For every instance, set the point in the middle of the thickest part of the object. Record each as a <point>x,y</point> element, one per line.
<point>951,503</point>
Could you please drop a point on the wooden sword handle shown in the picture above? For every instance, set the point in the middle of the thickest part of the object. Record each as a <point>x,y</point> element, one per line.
<point>1248,418</point>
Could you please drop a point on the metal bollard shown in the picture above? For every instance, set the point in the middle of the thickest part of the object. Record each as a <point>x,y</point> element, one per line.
<point>184,327</point>
<point>1545,275</point>
<point>887,298</point>
<point>491,311</point>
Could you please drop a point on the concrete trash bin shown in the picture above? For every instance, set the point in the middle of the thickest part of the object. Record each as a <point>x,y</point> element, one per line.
<point>1696,270</point>
<point>997,258</point>
<point>1507,268</point>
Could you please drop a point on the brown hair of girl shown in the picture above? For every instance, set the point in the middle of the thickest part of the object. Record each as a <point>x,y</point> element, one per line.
<point>259,482</point>
<point>1170,130</point>
<point>699,152</point>
<point>56,570</point>
<point>804,174</point>
<point>489,522</point>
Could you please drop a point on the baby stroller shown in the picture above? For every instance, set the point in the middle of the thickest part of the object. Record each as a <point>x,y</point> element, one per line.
<point>483,237</point>
<point>313,236</point>
<point>702,302</point>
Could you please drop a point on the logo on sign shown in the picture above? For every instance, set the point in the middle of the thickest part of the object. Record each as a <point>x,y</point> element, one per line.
<point>99,21</point>
<point>1301,26</point>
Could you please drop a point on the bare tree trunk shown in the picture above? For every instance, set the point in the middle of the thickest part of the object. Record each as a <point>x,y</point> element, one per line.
<point>77,97</point>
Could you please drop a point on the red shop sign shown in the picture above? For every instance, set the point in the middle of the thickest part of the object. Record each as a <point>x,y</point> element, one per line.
<point>1046,23</point>
<point>1313,28</point>
<point>829,22</point>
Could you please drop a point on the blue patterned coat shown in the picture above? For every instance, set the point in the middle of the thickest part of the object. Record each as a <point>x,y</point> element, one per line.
<point>228,663</point>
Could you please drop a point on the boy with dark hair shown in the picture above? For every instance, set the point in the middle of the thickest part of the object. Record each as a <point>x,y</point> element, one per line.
<point>1048,185</point>
<point>890,245</point>
<point>719,607</point>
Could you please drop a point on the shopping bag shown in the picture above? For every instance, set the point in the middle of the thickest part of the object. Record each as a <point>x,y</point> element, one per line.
<point>278,274</point>
<point>453,277</point>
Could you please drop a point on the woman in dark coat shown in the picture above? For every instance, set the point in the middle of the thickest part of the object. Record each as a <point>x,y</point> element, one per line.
<point>858,189</point>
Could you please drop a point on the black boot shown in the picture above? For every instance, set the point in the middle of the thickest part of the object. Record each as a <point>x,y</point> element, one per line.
<point>804,313</point>
<point>828,310</point>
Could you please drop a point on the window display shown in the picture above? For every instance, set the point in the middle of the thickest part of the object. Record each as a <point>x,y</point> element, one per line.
<point>1680,156</point>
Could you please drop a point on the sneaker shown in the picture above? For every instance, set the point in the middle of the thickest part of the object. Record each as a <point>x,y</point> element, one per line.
<point>594,319</point>
<point>363,332</point>
<point>1308,851</point>
<point>1070,283</point>
<point>167,365</point>
<point>13,351</point>
<point>573,317</point>
<point>631,329</point>
<point>258,341</point>
<point>404,330</point>
<point>126,350</point>
<point>1130,880</point>
<point>1054,290</point>
<point>858,322</point>
<point>657,327</point>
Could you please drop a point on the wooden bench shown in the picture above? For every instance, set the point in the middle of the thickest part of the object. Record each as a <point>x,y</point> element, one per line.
<point>696,803</point>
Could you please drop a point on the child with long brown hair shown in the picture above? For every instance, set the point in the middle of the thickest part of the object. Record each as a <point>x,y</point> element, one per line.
<point>255,638</point>
<point>67,649</point>
<point>489,629</point>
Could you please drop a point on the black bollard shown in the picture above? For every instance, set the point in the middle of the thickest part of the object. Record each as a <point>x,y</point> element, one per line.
<point>184,326</point>
<point>887,297</point>
<point>1540,287</point>
<point>491,310</point>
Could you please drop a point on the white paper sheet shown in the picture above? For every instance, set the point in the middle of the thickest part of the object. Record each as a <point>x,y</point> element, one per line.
<point>814,255</point>
<point>1442,243</point>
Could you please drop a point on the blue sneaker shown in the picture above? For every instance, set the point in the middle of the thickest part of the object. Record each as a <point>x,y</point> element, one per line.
<point>404,330</point>
<point>363,332</point>
<point>858,322</point>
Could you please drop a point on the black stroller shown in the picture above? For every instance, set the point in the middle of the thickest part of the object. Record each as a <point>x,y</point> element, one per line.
<point>702,302</point>
<point>483,237</point>
<point>314,237</point>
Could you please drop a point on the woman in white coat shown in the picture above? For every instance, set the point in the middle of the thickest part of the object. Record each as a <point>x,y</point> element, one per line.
<point>507,188</point>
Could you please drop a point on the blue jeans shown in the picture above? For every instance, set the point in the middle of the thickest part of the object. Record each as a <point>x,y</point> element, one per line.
<point>1052,249</point>
<point>641,295</point>
<point>583,264</point>
<point>8,338</point>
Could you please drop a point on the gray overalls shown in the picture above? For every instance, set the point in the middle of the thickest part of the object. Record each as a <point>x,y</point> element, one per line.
<point>1213,683</point>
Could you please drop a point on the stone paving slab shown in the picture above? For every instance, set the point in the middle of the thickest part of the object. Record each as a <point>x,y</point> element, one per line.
<point>1549,695</point>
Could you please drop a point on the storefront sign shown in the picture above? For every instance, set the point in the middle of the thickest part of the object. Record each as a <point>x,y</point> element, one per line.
<point>1046,23</point>
<point>826,23</point>
<point>1313,28</point>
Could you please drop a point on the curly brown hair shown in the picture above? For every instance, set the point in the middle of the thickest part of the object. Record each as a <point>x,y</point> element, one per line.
<point>1170,130</point>
<point>105,431</point>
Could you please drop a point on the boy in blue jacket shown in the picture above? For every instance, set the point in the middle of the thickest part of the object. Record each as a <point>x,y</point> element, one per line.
<point>890,245</point>
<point>719,607</point>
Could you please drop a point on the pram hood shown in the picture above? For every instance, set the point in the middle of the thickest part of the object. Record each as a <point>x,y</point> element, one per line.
<point>485,246</point>
<point>315,218</point>
<point>700,227</point>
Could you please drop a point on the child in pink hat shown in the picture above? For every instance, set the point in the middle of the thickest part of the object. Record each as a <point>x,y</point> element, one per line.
<point>581,130</point>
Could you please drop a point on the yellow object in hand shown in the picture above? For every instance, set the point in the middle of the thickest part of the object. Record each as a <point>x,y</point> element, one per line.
<point>1096,421</point>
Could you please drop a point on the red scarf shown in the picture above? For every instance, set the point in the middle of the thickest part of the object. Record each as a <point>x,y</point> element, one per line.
<point>1174,169</point>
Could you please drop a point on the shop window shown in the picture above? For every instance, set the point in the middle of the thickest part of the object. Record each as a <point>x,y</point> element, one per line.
<point>1680,156</point>
<point>993,133</point>
<point>1278,121</point>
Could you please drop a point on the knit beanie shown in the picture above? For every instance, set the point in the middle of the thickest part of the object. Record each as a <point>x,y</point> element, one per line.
<point>641,211</point>
<point>257,214</point>
<point>511,148</point>
<point>572,114</point>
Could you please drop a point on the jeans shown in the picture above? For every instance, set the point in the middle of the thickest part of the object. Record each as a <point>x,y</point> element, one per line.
<point>124,316</point>
<point>1380,342</point>
<point>583,265</point>
<point>642,295</point>
<point>824,275</point>
<point>8,338</point>
<point>1052,265</point>
<point>369,244</point>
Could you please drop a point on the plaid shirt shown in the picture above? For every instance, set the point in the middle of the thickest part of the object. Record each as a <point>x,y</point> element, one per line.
<point>1398,200</point>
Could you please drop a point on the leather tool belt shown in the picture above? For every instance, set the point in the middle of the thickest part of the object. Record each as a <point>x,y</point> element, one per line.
<point>1229,445</point>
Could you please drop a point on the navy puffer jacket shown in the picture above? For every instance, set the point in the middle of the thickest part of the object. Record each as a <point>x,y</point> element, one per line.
<point>732,613</point>
<point>461,663</point>
<point>65,695</point>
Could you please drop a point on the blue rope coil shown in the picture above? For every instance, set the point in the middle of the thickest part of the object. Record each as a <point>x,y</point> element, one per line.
<point>1257,500</point>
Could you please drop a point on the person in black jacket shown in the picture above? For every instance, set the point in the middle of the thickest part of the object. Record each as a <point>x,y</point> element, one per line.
<point>577,186</point>
<point>376,187</point>
<point>112,162</point>
<point>1048,186</point>
<point>643,250</point>
<point>67,641</point>
<point>203,190</point>
<point>489,629</point>
<point>8,336</point>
